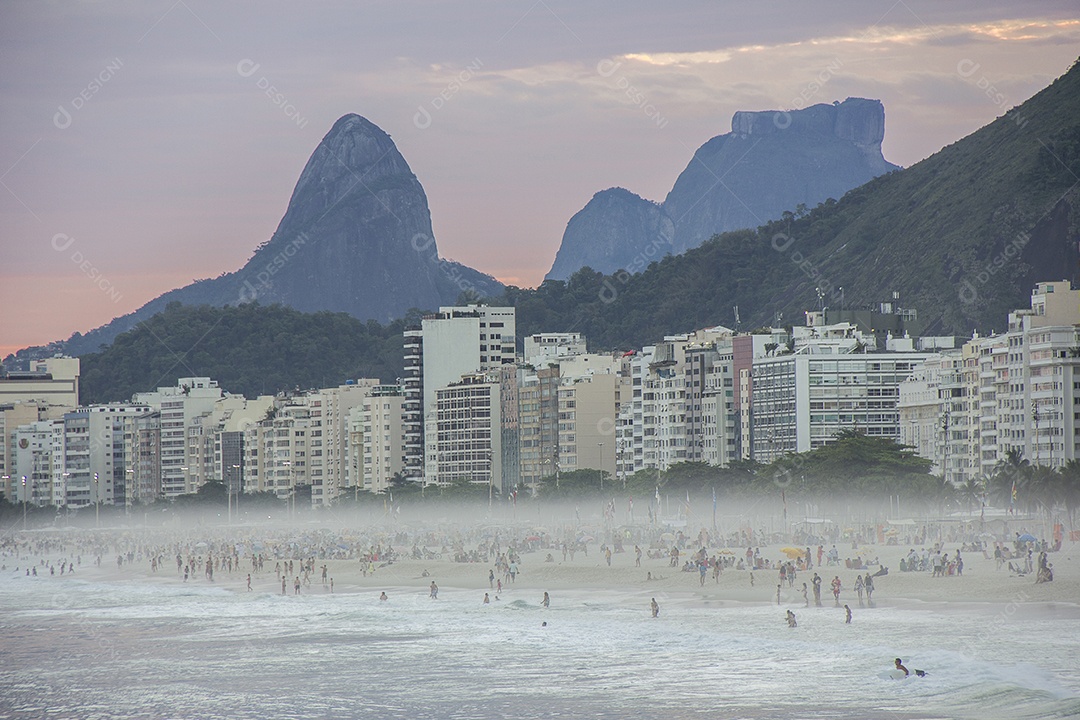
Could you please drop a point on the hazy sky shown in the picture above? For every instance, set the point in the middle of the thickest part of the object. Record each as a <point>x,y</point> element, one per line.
<point>145,144</point>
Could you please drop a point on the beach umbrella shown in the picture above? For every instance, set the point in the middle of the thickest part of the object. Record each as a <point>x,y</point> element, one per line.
<point>1027,537</point>
<point>668,537</point>
<point>792,552</point>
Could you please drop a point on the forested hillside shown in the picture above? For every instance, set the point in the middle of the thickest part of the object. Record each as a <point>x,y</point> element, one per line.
<point>249,349</point>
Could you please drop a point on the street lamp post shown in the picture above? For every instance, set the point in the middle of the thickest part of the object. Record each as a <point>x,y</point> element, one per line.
<point>24,503</point>
<point>1035,424</point>
<point>97,503</point>
<point>130,475</point>
<point>232,479</point>
<point>601,446</point>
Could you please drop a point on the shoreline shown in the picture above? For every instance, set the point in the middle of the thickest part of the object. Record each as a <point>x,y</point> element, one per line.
<point>982,587</point>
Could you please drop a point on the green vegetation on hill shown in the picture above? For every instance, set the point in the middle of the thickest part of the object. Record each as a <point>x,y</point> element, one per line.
<point>249,349</point>
<point>962,236</point>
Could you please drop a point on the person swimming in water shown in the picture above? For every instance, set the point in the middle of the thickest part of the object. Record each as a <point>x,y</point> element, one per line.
<point>900,666</point>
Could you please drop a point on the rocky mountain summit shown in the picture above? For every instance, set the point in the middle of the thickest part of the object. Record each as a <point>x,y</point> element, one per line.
<point>770,162</point>
<point>356,237</point>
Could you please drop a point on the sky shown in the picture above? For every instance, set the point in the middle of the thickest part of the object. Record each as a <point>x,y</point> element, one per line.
<point>145,144</point>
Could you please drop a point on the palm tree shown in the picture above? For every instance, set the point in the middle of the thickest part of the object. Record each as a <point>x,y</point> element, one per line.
<point>971,493</point>
<point>1070,489</point>
<point>1010,473</point>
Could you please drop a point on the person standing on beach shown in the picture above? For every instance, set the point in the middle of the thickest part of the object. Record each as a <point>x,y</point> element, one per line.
<point>637,556</point>
<point>847,618</point>
<point>655,608</point>
<point>434,594</point>
<point>859,587</point>
<point>546,602</point>
<point>816,582</point>
<point>283,581</point>
<point>296,585</point>
<point>777,594</point>
<point>491,579</point>
<point>806,600</point>
<point>868,585</point>
<point>249,582</point>
<point>836,589</point>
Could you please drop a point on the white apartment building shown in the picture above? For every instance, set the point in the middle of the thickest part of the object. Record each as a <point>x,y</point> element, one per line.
<point>179,406</point>
<point>718,442</point>
<point>801,401</point>
<point>12,416</point>
<point>1017,392</point>
<point>95,467</point>
<point>588,408</point>
<point>468,433</point>
<point>538,424</point>
<point>376,450</point>
<point>54,381</point>
<point>542,349</point>
<point>329,436</point>
<point>449,344</point>
<point>36,460</point>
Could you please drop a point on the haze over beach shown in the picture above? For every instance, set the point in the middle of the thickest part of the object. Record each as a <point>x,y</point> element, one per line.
<point>410,609</point>
<point>159,141</point>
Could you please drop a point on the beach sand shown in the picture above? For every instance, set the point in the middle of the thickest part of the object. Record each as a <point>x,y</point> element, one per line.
<point>980,583</point>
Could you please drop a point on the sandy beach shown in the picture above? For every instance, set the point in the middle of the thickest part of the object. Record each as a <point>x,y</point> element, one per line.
<point>981,581</point>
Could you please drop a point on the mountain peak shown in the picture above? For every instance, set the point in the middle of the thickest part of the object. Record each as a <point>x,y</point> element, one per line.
<point>771,161</point>
<point>356,237</point>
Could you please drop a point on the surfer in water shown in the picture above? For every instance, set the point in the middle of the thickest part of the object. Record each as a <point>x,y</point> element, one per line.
<point>900,667</point>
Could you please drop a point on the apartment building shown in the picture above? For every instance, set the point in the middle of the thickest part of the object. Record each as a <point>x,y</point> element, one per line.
<point>449,344</point>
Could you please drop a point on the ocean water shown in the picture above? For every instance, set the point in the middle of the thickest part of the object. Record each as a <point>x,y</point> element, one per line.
<point>70,648</point>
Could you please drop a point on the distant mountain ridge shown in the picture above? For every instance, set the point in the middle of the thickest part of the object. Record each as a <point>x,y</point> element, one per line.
<point>962,237</point>
<point>356,238</point>
<point>771,162</point>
